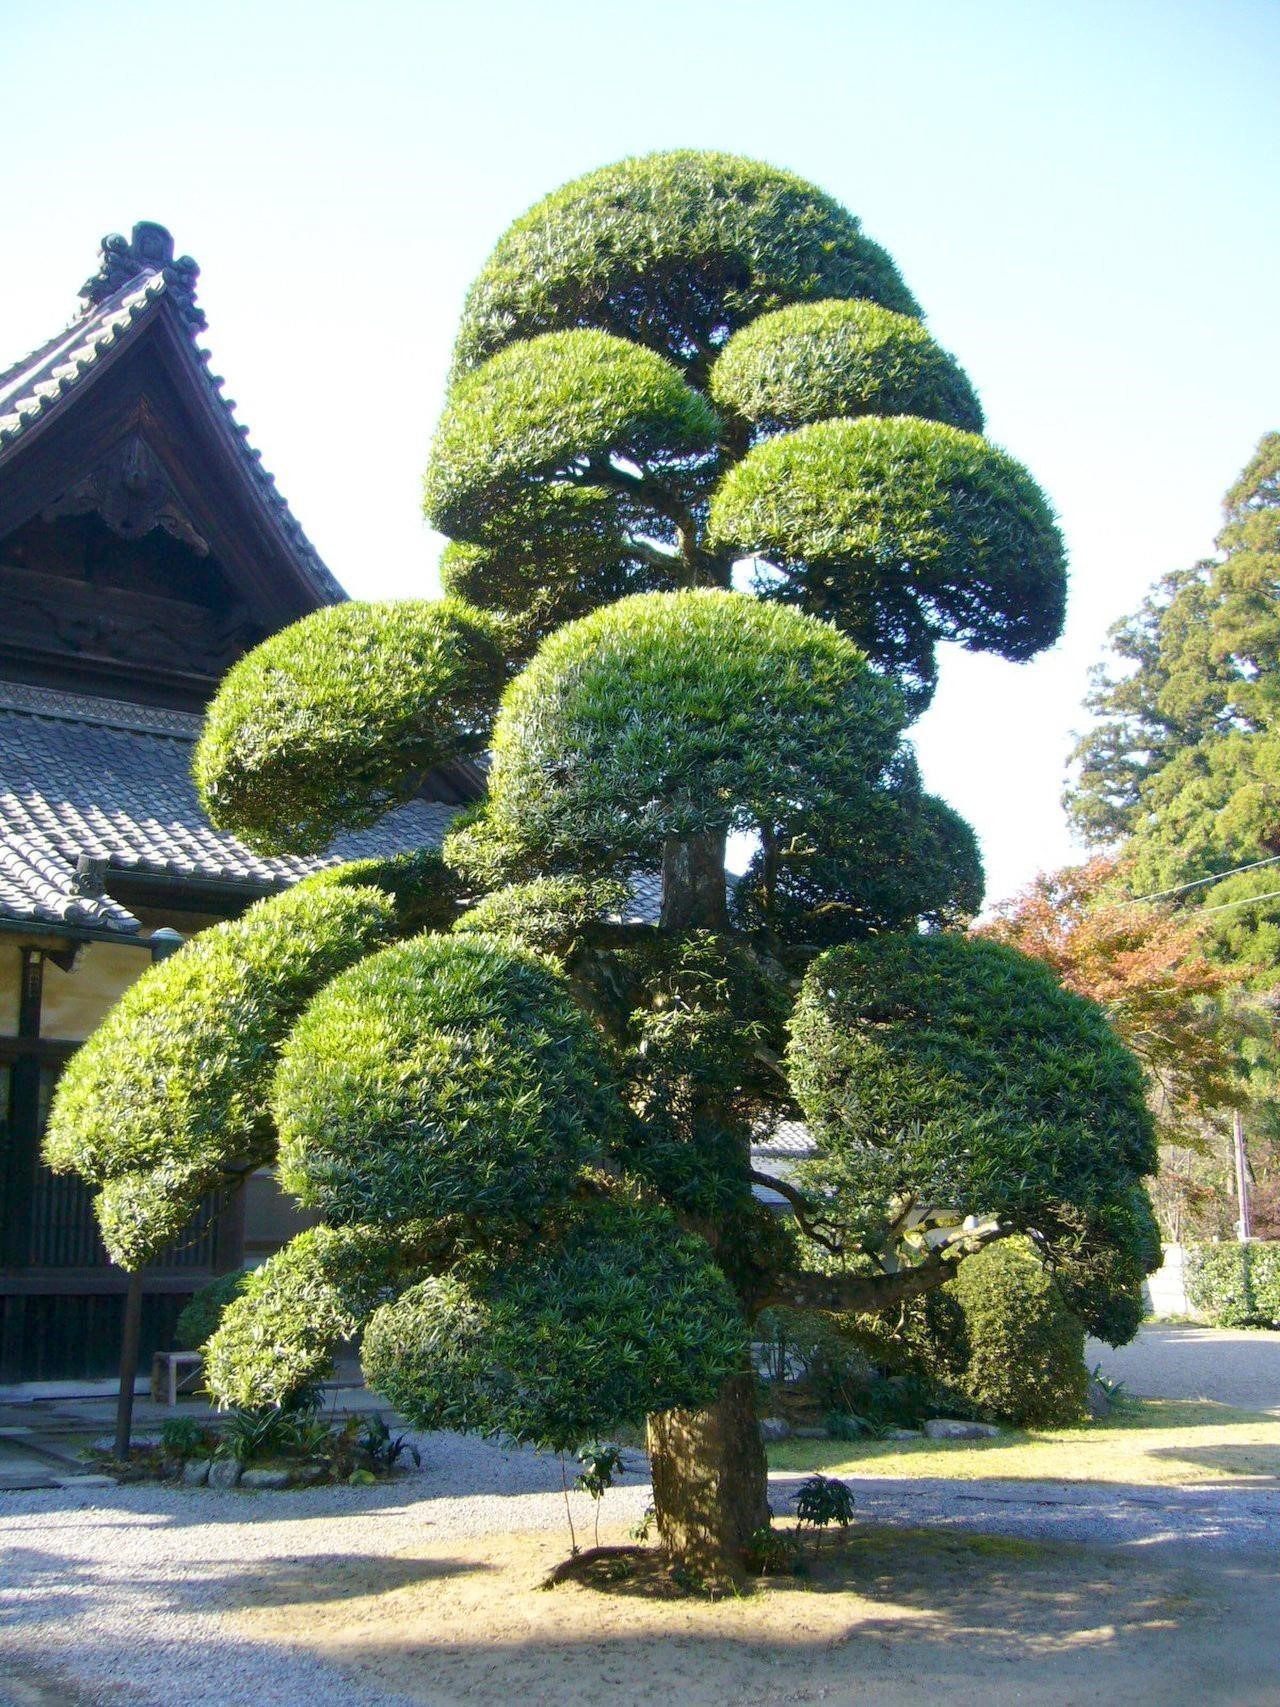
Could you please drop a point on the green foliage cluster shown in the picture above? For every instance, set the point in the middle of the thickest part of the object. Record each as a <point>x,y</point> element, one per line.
<point>1002,1335</point>
<point>618,1315</point>
<point>821,360</point>
<point>548,916</point>
<point>447,1076</point>
<point>200,1316</point>
<point>908,860</point>
<point>185,1060</point>
<point>684,714</point>
<point>337,718</point>
<point>898,1045</point>
<point>673,251</point>
<point>539,408</point>
<point>1183,760</point>
<point>1235,1285</point>
<point>976,555</point>
<point>276,1338</point>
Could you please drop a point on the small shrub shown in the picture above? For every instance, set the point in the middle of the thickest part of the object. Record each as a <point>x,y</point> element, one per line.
<point>185,1437</point>
<point>1235,1285</point>
<point>1004,1338</point>
<point>824,1500</point>
<point>772,1553</point>
<point>199,1320</point>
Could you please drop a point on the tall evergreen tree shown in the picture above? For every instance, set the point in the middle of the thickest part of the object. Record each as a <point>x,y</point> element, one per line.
<point>525,1120</point>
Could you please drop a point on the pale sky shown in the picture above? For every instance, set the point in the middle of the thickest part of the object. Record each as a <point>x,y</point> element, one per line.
<point>1082,196</point>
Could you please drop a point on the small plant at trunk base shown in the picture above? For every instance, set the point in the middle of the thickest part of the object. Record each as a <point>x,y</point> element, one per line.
<point>528,1141</point>
<point>185,1437</point>
<point>382,1448</point>
<point>824,1500</point>
<point>601,1466</point>
<point>773,1553</point>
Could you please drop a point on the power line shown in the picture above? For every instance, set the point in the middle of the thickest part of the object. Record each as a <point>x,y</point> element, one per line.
<point>1199,882</point>
<point>1244,901</point>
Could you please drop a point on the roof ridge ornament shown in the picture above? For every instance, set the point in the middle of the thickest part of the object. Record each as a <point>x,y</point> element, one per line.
<point>121,260</point>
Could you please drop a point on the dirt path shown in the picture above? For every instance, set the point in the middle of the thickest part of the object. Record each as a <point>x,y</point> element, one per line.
<point>1235,1366</point>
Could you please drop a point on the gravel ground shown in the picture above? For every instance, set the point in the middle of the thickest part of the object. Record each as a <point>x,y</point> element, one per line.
<point>1235,1366</point>
<point>130,1593</point>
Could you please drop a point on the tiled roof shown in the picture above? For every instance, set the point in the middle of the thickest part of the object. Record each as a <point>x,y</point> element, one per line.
<point>82,775</point>
<point>123,299</point>
<point>786,1138</point>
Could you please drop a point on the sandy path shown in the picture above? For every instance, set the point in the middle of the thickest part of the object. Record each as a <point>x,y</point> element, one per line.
<point>1235,1366</point>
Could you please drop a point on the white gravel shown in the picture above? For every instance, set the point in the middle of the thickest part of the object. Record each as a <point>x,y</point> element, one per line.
<point>129,1594</point>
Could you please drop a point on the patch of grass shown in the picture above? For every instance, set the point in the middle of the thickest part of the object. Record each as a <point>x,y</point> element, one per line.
<point>1147,1440</point>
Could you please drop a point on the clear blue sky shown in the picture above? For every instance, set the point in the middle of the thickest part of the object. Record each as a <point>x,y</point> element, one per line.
<point>1081,195</point>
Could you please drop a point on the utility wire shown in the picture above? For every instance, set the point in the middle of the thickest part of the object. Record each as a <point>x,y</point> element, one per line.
<point>1198,882</point>
<point>1244,901</point>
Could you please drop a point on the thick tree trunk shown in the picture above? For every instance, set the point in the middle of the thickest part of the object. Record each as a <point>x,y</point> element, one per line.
<point>693,887</point>
<point>710,1488</point>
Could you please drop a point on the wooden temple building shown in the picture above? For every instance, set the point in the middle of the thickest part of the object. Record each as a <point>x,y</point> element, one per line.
<point>143,549</point>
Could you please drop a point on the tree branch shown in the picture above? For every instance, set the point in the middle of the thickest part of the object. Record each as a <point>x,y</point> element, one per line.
<point>870,1293</point>
<point>802,1206</point>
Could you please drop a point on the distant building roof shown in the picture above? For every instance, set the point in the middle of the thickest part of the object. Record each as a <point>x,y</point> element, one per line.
<point>139,280</point>
<point>86,776</point>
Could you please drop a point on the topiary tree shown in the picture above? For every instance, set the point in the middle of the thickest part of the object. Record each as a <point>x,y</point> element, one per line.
<point>527,1129</point>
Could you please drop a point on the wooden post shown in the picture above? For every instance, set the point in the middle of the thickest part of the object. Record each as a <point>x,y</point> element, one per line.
<point>1244,1226</point>
<point>129,1342</point>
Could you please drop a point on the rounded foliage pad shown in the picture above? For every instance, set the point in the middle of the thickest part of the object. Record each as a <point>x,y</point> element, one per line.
<point>673,250</point>
<point>954,1072</point>
<point>335,719</point>
<point>824,359</point>
<point>904,532</point>
<point>183,1062</point>
<point>537,408</point>
<point>620,1316</point>
<point>446,1076</point>
<point>674,714</point>
<point>279,1333</point>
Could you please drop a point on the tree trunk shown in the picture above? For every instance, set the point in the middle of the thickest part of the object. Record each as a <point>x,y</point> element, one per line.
<point>710,1488</point>
<point>693,885</point>
<point>129,1340</point>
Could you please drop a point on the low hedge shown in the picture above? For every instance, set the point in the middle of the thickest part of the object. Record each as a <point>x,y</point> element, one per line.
<point>1235,1285</point>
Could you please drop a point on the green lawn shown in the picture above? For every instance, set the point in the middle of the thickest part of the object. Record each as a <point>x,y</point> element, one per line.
<point>1147,1440</point>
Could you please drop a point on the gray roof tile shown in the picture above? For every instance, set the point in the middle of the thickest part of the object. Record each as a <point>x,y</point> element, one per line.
<point>82,775</point>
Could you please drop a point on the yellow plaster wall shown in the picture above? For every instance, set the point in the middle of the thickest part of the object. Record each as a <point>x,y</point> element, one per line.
<point>74,1002</point>
<point>10,981</point>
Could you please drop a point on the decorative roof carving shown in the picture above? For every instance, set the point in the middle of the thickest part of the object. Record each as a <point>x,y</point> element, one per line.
<point>122,260</point>
<point>132,493</point>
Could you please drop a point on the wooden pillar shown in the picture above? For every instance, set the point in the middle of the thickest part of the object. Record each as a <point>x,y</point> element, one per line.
<point>24,1117</point>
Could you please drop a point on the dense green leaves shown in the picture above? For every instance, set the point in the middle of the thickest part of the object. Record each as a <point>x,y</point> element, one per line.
<point>672,715</point>
<point>674,251</point>
<point>449,1076</point>
<point>278,1335</point>
<point>337,718</point>
<point>555,410</point>
<point>825,359</point>
<point>951,1071</point>
<point>908,861</point>
<point>184,1060</point>
<point>619,1315</point>
<point>904,532</point>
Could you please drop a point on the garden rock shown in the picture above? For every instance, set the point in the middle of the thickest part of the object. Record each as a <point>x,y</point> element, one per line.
<point>774,1428</point>
<point>265,1479</point>
<point>1097,1400</point>
<point>952,1428</point>
<point>195,1473</point>
<point>811,1433</point>
<point>905,1434</point>
<point>224,1473</point>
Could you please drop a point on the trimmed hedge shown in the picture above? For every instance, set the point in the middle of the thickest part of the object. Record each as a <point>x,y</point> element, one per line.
<point>673,250</point>
<point>1003,1336</point>
<point>202,1314</point>
<point>674,714</point>
<point>330,723</point>
<point>451,1075</point>
<point>620,1316</point>
<point>1235,1285</point>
